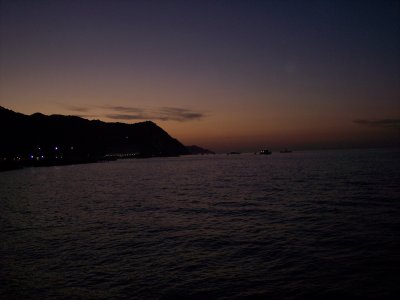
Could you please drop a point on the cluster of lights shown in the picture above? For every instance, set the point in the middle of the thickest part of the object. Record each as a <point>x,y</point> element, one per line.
<point>122,154</point>
<point>38,156</point>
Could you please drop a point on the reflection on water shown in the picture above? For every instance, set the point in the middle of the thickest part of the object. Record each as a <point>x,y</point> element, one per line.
<point>293,226</point>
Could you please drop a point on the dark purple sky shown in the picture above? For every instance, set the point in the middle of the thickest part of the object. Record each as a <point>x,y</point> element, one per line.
<point>224,74</point>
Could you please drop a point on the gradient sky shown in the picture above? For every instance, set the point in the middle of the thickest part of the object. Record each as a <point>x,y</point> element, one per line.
<point>227,75</point>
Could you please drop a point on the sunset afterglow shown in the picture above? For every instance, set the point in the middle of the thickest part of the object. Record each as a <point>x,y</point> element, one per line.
<point>222,74</point>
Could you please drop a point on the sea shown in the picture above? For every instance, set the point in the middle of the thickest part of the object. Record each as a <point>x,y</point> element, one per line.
<point>301,225</point>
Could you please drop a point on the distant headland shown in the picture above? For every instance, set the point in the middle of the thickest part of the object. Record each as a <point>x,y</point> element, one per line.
<point>41,140</point>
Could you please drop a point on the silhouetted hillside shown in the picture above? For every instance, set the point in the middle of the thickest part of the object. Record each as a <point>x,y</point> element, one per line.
<point>50,138</point>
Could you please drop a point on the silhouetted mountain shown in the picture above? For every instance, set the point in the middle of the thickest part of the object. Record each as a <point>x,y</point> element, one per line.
<point>68,138</point>
<point>198,150</point>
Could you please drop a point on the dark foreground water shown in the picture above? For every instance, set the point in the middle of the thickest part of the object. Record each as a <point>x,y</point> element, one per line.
<point>323,225</point>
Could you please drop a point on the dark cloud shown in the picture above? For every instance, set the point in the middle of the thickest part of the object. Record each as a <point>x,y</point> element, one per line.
<point>163,114</point>
<point>77,108</point>
<point>391,123</point>
<point>86,116</point>
<point>122,109</point>
<point>117,112</point>
<point>179,114</point>
<point>126,116</point>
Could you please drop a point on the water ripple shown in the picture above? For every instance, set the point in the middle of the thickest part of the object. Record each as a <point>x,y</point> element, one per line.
<point>320,225</point>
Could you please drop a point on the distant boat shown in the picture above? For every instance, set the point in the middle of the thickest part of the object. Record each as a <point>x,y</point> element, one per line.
<point>286,150</point>
<point>266,152</point>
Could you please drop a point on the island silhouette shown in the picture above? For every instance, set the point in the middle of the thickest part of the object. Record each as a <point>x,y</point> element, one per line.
<point>42,140</point>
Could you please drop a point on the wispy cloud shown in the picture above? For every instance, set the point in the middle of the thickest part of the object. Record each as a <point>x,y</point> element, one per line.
<point>127,116</point>
<point>77,108</point>
<point>117,112</point>
<point>122,109</point>
<point>87,116</point>
<point>179,114</point>
<point>390,123</point>
<point>162,113</point>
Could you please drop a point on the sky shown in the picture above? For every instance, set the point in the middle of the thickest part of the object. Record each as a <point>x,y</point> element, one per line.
<point>225,75</point>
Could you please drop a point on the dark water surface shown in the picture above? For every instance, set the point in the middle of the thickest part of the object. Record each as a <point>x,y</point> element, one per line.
<point>287,226</point>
